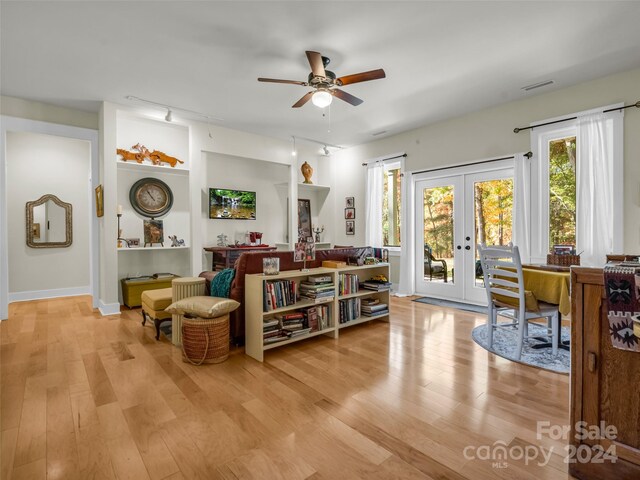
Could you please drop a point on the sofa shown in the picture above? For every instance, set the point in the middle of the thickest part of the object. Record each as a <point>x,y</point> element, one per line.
<point>251,262</point>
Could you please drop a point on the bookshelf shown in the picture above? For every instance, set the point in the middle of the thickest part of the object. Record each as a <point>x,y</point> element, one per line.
<point>258,285</point>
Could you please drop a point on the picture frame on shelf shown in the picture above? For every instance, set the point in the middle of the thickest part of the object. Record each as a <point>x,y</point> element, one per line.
<point>349,213</point>
<point>153,232</point>
<point>350,227</point>
<point>99,201</point>
<point>350,202</point>
<point>305,227</point>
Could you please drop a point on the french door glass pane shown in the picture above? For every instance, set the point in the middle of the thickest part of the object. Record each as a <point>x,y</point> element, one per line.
<point>438,234</point>
<point>493,212</point>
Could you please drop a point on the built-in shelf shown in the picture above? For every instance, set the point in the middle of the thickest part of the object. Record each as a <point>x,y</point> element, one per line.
<point>138,249</point>
<point>309,187</point>
<point>361,319</point>
<point>150,168</point>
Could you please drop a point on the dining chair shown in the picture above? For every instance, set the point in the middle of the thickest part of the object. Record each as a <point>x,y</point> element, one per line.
<point>506,297</point>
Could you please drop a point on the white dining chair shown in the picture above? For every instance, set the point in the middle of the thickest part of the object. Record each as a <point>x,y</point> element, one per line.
<point>506,297</point>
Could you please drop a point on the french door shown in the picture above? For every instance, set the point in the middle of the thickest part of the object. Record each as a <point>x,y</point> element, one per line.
<point>454,214</point>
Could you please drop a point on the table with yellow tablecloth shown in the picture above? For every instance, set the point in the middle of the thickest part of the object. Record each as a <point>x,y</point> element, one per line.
<point>549,287</point>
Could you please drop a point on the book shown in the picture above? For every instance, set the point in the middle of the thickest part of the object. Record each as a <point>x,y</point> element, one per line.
<point>270,322</point>
<point>374,308</point>
<point>320,279</point>
<point>375,314</point>
<point>370,301</point>
<point>269,340</point>
<point>303,331</point>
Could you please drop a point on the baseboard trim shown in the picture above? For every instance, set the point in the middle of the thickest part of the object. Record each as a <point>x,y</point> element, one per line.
<point>108,308</point>
<point>53,293</point>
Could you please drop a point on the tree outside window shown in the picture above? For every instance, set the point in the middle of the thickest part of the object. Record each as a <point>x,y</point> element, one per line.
<point>391,206</point>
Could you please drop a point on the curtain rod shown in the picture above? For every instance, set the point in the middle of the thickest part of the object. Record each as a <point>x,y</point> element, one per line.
<point>520,129</point>
<point>528,155</point>
<point>404,155</point>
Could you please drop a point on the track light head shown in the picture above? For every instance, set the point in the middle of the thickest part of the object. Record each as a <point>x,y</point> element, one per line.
<point>169,116</point>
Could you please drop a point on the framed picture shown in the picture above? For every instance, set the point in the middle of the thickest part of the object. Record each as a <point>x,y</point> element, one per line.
<point>99,201</point>
<point>153,232</point>
<point>349,213</point>
<point>351,227</point>
<point>305,229</point>
<point>351,202</point>
<point>309,239</point>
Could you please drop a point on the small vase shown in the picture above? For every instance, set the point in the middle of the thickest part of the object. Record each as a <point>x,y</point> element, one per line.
<point>307,171</point>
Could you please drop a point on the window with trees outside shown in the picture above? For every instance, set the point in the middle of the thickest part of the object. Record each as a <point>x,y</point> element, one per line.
<point>391,205</point>
<point>562,192</point>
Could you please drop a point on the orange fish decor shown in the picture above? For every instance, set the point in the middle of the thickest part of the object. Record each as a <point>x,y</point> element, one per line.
<point>142,153</point>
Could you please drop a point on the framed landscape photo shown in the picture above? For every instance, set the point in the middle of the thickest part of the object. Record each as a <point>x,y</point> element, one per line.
<point>351,202</point>
<point>351,227</point>
<point>305,229</point>
<point>349,213</point>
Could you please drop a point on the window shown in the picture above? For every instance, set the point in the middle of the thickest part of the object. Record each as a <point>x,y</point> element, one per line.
<point>391,205</point>
<point>562,192</point>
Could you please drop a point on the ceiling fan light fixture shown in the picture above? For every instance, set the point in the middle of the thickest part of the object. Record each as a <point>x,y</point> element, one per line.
<point>321,98</point>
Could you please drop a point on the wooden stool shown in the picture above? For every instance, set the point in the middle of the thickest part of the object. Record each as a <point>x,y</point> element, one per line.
<point>183,287</point>
<point>153,304</point>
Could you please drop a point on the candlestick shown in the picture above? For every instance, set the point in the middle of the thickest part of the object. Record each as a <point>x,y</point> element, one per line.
<point>119,209</point>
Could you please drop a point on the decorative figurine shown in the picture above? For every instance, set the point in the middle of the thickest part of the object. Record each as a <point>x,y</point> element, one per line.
<point>318,231</point>
<point>307,171</point>
<point>222,240</point>
<point>175,242</point>
<point>156,157</point>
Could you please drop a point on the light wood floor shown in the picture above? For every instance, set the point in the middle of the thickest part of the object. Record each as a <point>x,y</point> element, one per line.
<point>85,396</point>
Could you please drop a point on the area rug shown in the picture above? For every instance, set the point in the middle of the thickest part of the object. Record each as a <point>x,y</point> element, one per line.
<point>505,345</point>
<point>468,307</point>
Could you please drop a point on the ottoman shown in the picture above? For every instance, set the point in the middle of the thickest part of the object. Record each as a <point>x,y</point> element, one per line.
<point>153,304</point>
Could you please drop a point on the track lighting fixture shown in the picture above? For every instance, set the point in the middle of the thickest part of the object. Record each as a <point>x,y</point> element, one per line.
<point>169,116</point>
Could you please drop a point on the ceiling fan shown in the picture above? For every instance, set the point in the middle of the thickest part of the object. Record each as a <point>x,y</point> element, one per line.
<point>325,84</point>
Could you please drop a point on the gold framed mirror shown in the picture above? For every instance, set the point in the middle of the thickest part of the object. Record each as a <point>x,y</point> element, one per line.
<point>49,223</point>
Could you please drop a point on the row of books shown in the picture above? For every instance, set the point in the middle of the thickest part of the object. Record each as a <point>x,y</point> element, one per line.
<point>319,288</point>
<point>293,324</point>
<point>349,309</point>
<point>348,283</point>
<point>278,294</point>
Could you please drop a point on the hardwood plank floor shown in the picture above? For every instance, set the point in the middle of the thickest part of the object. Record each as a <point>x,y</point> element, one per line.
<point>84,396</point>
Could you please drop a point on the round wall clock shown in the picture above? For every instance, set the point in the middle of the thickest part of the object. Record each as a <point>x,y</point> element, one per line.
<point>151,197</point>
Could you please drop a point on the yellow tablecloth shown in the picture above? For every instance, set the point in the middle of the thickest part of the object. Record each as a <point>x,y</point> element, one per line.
<point>550,287</point>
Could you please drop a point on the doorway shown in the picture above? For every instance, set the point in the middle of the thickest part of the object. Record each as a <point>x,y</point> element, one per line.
<point>455,211</point>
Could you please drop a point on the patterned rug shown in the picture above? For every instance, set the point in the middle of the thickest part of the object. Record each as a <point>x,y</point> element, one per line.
<point>468,307</point>
<point>505,342</point>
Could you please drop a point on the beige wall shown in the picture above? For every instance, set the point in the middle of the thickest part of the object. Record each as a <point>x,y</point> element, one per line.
<point>44,112</point>
<point>38,165</point>
<point>489,134</point>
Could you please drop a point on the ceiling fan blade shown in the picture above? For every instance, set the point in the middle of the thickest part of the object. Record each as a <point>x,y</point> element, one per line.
<point>303,100</point>
<point>276,80</point>
<point>347,97</point>
<point>361,77</point>
<point>315,60</point>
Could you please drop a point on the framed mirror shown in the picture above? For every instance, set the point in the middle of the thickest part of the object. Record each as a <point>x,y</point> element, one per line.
<point>49,223</point>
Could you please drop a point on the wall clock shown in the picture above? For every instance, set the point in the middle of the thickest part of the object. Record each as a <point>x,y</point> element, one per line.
<point>151,197</point>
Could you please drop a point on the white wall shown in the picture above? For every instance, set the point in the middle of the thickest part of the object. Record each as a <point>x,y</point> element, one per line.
<point>237,173</point>
<point>489,134</point>
<point>44,112</point>
<point>38,165</point>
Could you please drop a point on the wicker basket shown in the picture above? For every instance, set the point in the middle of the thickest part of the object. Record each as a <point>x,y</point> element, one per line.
<point>205,340</point>
<point>563,260</point>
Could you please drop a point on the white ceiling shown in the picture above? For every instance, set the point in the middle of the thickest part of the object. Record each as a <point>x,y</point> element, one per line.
<point>442,59</point>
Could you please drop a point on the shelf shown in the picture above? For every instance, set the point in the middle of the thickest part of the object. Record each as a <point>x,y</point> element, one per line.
<point>300,304</point>
<point>310,187</point>
<point>363,292</point>
<point>361,319</point>
<point>300,337</point>
<point>132,166</point>
<point>361,267</point>
<point>137,249</point>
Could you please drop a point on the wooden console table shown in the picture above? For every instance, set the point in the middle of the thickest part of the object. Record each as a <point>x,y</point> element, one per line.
<point>225,257</point>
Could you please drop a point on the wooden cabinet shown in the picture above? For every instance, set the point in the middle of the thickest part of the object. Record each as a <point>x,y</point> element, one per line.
<point>255,312</point>
<point>604,385</point>
<point>225,257</point>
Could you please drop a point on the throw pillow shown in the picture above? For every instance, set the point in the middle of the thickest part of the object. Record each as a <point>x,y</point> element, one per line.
<point>204,307</point>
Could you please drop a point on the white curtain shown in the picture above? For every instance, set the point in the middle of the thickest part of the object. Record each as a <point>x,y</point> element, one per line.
<point>522,206</point>
<point>406,282</point>
<point>594,196</point>
<point>373,205</point>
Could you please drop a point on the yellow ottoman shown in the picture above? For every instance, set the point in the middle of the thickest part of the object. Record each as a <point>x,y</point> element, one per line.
<point>153,304</point>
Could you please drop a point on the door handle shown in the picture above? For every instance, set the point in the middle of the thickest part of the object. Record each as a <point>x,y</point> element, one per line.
<point>467,247</point>
<point>459,247</point>
<point>592,362</point>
